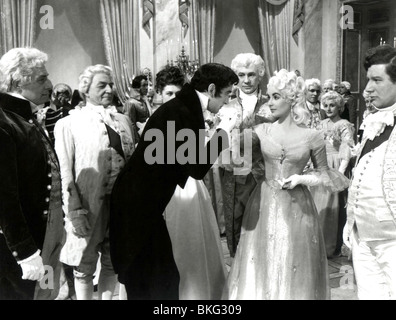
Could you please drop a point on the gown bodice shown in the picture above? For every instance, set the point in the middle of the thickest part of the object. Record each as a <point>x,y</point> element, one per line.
<point>282,161</point>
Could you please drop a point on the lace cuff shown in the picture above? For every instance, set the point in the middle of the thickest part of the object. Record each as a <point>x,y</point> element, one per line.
<point>330,178</point>
<point>76,213</point>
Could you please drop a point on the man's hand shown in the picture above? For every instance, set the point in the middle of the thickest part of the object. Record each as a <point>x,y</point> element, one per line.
<point>81,225</point>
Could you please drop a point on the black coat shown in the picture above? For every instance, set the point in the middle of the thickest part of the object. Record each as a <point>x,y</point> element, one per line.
<point>140,245</point>
<point>25,177</point>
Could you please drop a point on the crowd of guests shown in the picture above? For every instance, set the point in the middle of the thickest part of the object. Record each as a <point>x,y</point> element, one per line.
<point>295,180</point>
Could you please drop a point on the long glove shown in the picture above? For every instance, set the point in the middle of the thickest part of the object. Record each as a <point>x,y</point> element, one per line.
<point>32,267</point>
<point>346,234</point>
<point>306,179</point>
<point>343,166</point>
<point>80,222</point>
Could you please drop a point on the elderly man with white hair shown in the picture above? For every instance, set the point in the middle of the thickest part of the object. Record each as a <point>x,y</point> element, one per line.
<point>350,106</point>
<point>251,108</point>
<point>313,90</point>
<point>93,145</point>
<point>31,217</point>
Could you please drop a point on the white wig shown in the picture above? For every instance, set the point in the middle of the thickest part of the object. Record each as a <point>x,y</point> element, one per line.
<point>85,79</point>
<point>247,59</point>
<point>17,66</point>
<point>292,89</point>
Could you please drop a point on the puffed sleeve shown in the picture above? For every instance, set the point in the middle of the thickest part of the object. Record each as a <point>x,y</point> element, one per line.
<point>346,131</point>
<point>330,178</point>
<point>64,147</point>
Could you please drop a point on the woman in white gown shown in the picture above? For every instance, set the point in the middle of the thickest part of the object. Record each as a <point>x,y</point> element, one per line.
<point>281,254</point>
<point>192,224</point>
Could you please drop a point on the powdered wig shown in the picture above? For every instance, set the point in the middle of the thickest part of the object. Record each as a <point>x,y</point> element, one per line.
<point>17,66</point>
<point>335,97</point>
<point>292,89</point>
<point>329,82</point>
<point>346,84</point>
<point>312,82</point>
<point>246,60</point>
<point>85,79</point>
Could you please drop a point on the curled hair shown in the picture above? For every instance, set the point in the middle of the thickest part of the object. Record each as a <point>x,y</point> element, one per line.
<point>292,89</point>
<point>85,79</point>
<point>62,87</point>
<point>170,75</point>
<point>334,97</point>
<point>329,82</point>
<point>382,54</point>
<point>17,66</point>
<point>218,74</point>
<point>312,82</point>
<point>246,60</point>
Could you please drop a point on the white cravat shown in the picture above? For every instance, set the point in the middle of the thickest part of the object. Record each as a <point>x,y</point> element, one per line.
<point>374,124</point>
<point>249,102</point>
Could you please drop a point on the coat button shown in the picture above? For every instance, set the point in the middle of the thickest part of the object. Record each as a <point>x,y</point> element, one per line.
<point>47,199</point>
<point>49,187</point>
<point>45,212</point>
<point>15,254</point>
<point>49,175</point>
<point>30,121</point>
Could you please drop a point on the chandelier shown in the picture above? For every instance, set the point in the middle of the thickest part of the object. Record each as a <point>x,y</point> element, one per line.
<point>184,64</point>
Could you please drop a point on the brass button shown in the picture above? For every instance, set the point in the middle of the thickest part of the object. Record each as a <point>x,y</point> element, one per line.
<point>49,187</point>
<point>15,254</point>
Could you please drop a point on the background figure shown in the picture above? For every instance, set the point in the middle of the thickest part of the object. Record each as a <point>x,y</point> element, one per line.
<point>338,135</point>
<point>90,161</point>
<point>281,253</point>
<point>59,107</point>
<point>350,106</point>
<point>192,224</point>
<point>31,217</point>
<point>249,104</point>
<point>371,229</point>
<point>327,85</point>
<point>312,94</point>
<point>137,108</point>
<point>141,248</point>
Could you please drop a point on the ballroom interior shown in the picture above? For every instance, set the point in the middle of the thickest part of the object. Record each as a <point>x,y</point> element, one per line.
<point>321,38</point>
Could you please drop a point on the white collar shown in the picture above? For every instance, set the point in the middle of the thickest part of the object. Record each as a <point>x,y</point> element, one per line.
<point>111,110</point>
<point>244,96</point>
<point>374,124</point>
<point>204,99</point>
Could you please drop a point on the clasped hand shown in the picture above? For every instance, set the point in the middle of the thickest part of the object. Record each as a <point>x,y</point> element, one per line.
<point>80,225</point>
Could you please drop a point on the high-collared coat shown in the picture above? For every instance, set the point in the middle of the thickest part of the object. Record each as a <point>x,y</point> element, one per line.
<point>25,173</point>
<point>141,249</point>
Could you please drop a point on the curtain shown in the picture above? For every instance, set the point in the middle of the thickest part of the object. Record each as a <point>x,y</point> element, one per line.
<point>17,24</point>
<point>120,27</point>
<point>275,34</point>
<point>203,30</point>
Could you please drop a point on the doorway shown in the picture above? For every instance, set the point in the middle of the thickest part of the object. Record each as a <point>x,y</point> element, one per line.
<point>374,24</point>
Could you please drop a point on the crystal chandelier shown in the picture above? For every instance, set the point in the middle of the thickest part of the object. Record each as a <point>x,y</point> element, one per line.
<point>184,64</point>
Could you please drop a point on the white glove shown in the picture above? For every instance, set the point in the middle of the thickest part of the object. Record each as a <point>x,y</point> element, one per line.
<point>32,267</point>
<point>343,166</point>
<point>346,234</point>
<point>306,179</point>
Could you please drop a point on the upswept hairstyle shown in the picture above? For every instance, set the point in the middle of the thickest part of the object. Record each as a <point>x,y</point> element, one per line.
<point>292,89</point>
<point>382,54</point>
<point>218,74</point>
<point>247,59</point>
<point>334,97</point>
<point>136,82</point>
<point>85,79</point>
<point>170,75</point>
<point>17,66</point>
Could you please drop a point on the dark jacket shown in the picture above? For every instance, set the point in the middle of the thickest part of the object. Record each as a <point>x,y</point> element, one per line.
<point>140,246</point>
<point>25,177</point>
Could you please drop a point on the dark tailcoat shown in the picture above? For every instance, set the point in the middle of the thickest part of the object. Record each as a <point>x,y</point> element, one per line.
<point>24,193</point>
<point>141,249</point>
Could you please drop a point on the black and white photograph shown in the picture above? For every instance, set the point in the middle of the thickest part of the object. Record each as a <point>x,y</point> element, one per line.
<point>194,155</point>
